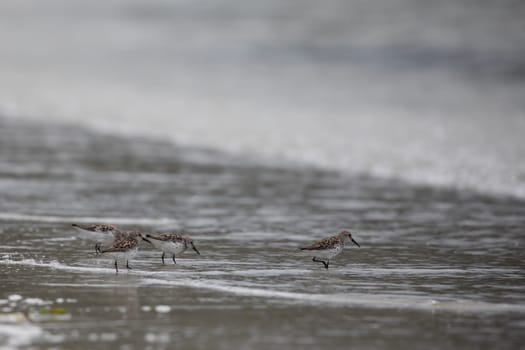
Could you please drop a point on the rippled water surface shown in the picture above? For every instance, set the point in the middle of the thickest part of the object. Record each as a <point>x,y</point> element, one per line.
<point>436,269</point>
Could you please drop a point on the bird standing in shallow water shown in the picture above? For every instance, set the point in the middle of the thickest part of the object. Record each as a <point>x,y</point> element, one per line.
<point>100,233</point>
<point>171,243</point>
<point>329,247</point>
<point>124,248</point>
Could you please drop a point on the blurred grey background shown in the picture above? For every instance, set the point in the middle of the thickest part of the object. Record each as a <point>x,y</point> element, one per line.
<point>431,92</point>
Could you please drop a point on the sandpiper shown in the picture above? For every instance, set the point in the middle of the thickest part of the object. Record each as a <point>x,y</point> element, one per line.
<point>329,247</point>
<point>171,243</point>
<point>100,233</point>
<point>124,248</point>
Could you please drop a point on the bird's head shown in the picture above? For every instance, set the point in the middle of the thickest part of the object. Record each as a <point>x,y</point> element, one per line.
<point>346,234</point>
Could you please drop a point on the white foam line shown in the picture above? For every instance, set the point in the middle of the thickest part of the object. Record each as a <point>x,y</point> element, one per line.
<point>268,272</point>
<point>87,219</point>
<point>433,271</point>
<point>380,301</point>
<point>376,301</point>
<point>84,285</point>
<point>55,265</point>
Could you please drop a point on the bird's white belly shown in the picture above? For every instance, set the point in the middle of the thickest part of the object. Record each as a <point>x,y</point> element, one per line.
<point>328,253</point>
<point>122,257</point>
<point>103,237</point>
<point>169,246</point>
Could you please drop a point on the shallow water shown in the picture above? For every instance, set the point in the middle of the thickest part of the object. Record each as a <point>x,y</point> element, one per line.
<point>436,268</point>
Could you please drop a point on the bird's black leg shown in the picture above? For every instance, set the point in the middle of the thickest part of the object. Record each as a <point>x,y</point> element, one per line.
<point>162,258</point>
<point>325,263</point>
<point>97,248</point>
<point>127,265</point>
<point>116,267</point>
<point>173,257</point>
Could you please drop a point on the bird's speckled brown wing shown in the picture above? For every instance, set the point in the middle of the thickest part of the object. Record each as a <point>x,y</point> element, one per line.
<point>121,245</point>
<point>126,234</point>
<point>166,237</point>
<point>95,228</point>
<point>326,243</point>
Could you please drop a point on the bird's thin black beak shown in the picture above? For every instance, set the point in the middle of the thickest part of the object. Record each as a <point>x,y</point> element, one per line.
<point>147,240</point>
<point>357,244</point>
<point>195,248</point>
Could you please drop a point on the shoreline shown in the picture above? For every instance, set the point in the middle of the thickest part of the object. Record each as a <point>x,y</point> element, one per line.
<point>198,155</point>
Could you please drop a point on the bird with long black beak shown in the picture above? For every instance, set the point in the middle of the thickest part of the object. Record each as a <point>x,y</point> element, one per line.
<point>330,247</point>
<point>171,243</point>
